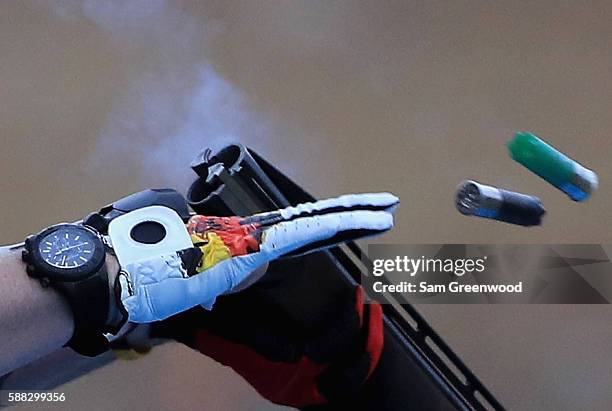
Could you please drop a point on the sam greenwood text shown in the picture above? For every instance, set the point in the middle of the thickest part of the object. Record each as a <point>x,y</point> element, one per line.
<point>453,287</point>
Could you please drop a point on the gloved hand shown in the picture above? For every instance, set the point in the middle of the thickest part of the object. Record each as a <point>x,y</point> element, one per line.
<point>299,362</point>
<point>229,250</point>
<point>300,337</point>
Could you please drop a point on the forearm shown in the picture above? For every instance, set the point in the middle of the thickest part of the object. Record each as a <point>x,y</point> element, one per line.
<point>34,321</point>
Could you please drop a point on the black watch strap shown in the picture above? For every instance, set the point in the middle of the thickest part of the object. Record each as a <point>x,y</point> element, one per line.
<point>89,301</point>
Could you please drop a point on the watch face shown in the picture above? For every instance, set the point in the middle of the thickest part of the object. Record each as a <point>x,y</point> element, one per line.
<point>70,246</point>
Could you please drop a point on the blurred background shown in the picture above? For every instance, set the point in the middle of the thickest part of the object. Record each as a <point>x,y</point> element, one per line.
<point>99,99</point>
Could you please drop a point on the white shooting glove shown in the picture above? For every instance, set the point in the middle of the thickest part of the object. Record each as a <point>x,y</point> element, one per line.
<point>229,249</point>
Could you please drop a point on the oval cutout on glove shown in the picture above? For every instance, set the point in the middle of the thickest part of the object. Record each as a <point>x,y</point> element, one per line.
<point>148,232</point>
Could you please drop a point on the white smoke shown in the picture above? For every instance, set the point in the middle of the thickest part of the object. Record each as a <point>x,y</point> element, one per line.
<point>176,104</point>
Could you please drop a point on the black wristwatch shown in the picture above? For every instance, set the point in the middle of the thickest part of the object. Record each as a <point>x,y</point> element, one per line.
<point>71,258</point>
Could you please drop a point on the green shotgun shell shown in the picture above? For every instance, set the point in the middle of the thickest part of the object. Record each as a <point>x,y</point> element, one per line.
<point>577,181</point>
